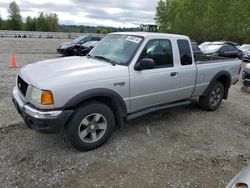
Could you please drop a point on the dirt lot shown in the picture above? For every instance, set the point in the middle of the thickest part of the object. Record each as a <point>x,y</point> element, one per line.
<point>186,147</point>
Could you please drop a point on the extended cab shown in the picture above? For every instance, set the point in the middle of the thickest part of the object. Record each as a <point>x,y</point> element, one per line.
<point>125,76</point>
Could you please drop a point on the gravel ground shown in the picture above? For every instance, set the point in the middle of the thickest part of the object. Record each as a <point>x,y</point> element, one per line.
<point>182,147</point>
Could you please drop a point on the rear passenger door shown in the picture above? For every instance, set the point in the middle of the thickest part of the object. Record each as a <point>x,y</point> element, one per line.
<point>158,85</point>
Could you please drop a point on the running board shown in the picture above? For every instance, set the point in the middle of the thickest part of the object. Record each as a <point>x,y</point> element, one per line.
<point>156,108</point>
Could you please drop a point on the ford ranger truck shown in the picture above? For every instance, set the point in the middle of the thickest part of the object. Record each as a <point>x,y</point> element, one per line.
<point>125,76</point>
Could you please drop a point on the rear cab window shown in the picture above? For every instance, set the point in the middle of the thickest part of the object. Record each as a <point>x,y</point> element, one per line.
<point>185,52</point>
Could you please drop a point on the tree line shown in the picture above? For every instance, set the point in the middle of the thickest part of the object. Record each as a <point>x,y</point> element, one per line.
<point>43,22</point>
<point>49,22</point>
<point>206,20</point>
<point>93,29</point>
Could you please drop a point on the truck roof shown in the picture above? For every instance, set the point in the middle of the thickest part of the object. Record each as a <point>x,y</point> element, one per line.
<point>151,34</point>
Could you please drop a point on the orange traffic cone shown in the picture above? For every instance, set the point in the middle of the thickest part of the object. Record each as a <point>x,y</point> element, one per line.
<point>13,60</point>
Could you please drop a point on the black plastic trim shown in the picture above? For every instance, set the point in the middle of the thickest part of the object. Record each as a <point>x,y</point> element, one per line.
<point>99,92</point>
<point>156,108</point>
<point>216,77</point>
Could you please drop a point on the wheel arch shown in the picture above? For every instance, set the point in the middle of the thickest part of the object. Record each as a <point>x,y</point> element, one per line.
<point>225,78</point>
<point>110,98</point>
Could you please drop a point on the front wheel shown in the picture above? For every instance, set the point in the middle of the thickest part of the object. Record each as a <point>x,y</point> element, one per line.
<point>213,100</point>
<point>91,126</point>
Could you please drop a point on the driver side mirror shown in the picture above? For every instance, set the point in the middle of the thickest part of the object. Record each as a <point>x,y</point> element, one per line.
<point>144,64</point>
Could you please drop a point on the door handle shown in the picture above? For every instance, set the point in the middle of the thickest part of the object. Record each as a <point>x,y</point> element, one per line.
<point>173,74</point>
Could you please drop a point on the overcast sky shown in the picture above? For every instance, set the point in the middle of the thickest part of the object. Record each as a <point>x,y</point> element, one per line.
<point>117,13</point>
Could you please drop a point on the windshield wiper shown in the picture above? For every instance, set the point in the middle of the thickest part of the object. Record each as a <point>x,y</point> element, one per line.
<point>88,55</point>
<point>105,59</point>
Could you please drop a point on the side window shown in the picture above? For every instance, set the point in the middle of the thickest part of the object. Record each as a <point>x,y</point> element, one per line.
<point>85,39</point>
<point>231,48</point>
<point>223,49</point>
<point>95,38</point>
<point>160,50</point>
<point>185,52</point>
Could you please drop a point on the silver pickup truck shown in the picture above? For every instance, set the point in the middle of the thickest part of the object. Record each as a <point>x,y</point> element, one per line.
<point>125,76</point>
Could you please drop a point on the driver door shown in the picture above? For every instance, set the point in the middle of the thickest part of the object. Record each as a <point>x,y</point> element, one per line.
<point>158,85</point>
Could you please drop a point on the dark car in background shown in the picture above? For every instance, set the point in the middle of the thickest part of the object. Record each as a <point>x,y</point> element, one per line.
<point>72,47</point>
<point>223,49</point>
<point>87,47</point>
<point>195,47</point>
<point>245,48</point>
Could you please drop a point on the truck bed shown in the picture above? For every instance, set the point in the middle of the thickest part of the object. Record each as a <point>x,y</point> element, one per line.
<point>202,58</point>
<point>208,67</point>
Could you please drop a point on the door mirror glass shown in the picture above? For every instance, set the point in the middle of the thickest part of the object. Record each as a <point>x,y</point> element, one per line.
<point>144,64</point>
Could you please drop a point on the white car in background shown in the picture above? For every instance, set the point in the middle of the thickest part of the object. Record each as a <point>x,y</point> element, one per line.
<point>245,48</point>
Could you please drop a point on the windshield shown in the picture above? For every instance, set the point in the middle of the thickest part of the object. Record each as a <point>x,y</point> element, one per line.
<point>79,39</point>
<point>211,48</point>
<point>117,48</point>
<point>90,43</point>
<point>245,47</point>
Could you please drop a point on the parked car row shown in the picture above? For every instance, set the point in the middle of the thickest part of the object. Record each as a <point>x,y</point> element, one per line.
<point>226,49</point>
<point>245,48</point>
<point>79,46</point>
<point>222,48</point>
<point>82,45</point>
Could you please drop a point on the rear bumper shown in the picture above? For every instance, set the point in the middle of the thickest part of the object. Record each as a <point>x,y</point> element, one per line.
<point>50,120</point>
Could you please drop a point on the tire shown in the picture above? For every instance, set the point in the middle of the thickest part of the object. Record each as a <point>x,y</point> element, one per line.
<point>90,127</point>
<point>214,97</point>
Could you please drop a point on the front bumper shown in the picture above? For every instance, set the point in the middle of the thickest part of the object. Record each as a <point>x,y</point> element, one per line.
<point>41,120</point>
<point>246,58</point>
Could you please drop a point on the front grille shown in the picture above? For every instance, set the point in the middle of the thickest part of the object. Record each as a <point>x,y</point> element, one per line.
<point>22,85</point>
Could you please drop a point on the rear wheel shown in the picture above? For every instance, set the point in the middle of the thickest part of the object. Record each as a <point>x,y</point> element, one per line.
<point>91,126</point>
<point>213,100</point>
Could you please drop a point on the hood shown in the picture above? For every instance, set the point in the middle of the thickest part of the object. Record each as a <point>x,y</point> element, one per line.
<point>67,43</point>
<point>69,70</point>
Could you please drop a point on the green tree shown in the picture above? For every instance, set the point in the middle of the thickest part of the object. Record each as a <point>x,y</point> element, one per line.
<point>15,18</point>
<point>205,19</point>
<point>47,22</point>
<point>30,24</point>
<point>1,22</point>
<point>104,31</point>
<point>52,21</point>
<point>98,30</point>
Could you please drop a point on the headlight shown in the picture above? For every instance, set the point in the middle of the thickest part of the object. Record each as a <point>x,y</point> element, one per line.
<point>44,97</point>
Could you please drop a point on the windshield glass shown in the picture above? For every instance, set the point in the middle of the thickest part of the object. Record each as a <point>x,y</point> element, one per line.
<point>117,48</point>
<point>90,43</point>
<point>211,48</point>
<point>245,47</point>
<point>79,39</point>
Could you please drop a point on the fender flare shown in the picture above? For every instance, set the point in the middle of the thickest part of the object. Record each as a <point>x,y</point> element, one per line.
<point>115,98</point>
<point>215,78</point>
